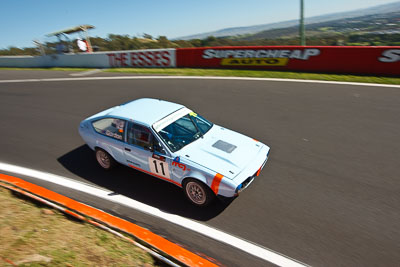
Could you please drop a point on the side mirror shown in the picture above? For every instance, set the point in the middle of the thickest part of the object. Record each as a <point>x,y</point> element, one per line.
<point>150,148</point>
<point>158,148</point>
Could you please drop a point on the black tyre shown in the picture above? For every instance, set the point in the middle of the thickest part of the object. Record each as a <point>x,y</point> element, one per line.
<point>104,159</point>
<point>198,193</point>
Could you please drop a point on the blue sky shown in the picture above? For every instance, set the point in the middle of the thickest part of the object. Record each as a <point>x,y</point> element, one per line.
<point>24,20</point>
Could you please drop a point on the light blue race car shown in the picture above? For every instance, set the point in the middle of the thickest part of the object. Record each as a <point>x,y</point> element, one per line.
<point>173,143</point>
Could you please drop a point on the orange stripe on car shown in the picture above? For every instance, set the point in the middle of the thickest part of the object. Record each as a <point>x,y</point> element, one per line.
<point>215,183</point>
<point>258,172</point>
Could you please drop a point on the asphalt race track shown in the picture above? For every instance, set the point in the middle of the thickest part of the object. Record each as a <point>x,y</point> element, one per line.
<point>328,196</point>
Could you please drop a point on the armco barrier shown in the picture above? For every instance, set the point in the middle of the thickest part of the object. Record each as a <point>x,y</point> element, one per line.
<point>326,59</point>
<point>153,58</point>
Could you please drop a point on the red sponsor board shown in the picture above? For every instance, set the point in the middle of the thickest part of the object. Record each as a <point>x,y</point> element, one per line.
<point>142,58</point>
<point>329,59</point>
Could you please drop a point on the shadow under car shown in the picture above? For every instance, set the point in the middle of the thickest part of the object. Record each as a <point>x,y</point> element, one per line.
<point>138,186</point>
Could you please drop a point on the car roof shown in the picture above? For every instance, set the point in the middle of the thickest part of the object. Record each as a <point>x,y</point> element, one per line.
<point>145,110</point>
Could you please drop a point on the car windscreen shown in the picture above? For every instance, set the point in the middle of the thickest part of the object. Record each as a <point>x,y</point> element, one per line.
<point>184,131</point>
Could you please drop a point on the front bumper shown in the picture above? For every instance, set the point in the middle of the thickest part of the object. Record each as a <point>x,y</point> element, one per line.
<point>251,178</point>
<point>232,187</point>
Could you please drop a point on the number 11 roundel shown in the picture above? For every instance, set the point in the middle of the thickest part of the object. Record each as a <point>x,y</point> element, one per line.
<point>159,167</point>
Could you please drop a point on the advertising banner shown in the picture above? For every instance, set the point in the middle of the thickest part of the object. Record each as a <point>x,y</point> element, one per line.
<point>154,58</point>
<point>328,59</point>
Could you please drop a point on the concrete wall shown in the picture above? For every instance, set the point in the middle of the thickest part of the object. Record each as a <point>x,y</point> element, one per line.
<point>21,61</point>
<point>153,58</point>
<point>335,59</point>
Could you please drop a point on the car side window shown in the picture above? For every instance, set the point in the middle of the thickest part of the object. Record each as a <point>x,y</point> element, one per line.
<point>140,136</point>
<point>111,127</point>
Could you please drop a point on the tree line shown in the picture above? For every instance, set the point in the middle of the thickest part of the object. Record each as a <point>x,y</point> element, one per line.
<point>115,42</point>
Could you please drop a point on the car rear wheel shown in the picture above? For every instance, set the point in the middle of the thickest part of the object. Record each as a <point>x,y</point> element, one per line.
<point>104,159</point>
<point>198,193</point>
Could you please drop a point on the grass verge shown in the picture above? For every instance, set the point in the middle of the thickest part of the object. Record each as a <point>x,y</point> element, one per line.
<point>238,73</point>
<point>260,74</point>
<point>34,235</point>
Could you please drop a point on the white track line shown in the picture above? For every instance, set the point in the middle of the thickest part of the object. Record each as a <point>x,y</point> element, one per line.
<point>239,243</point>
<point>85,73</point>
<point>196,78</point>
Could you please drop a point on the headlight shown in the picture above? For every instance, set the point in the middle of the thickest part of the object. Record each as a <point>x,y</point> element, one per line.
<point>238,188</point>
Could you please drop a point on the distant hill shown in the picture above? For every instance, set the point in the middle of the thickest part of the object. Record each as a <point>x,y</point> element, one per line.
<point>383,23</point>
<point>235,31</point>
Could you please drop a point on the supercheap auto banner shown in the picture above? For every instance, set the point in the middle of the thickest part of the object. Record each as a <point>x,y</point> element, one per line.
<point>328,59</point>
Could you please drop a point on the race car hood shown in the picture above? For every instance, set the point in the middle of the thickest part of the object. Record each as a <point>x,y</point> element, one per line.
<point>223,151</point>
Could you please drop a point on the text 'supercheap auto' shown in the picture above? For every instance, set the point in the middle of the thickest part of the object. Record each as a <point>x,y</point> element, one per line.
<point>173,143</point>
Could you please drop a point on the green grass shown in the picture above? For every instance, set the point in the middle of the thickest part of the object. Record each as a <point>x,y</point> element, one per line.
<point>260,74</point>
<point>240,73</point>
<point>26,231</point>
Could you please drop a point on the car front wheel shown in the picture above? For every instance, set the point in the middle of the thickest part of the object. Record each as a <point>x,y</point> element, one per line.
<point>104,159</point>
<point>198,193</point>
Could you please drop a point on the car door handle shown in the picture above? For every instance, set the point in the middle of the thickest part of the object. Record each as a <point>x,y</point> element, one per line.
<point>127,149</point>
